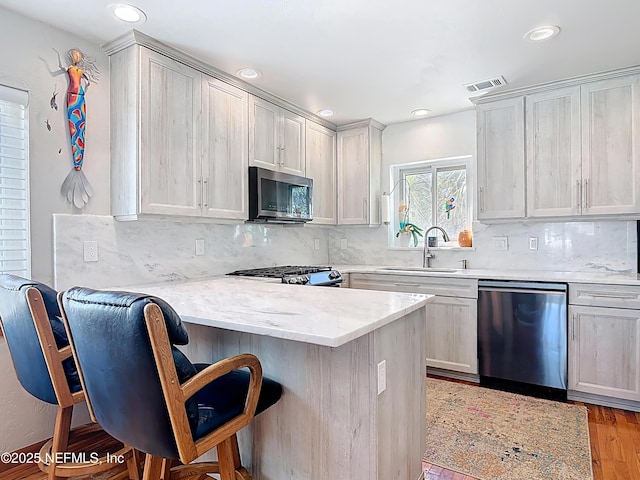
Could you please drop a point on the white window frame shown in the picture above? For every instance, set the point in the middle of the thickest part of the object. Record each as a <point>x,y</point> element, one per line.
<point>14,104</point>
<point>397,173</point>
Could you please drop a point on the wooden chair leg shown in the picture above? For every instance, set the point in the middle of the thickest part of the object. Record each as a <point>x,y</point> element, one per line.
<point>60,440</point>
<point>166,469</point>
<point>226,460</point>
<point>133,465</point>
<point>152,468</point>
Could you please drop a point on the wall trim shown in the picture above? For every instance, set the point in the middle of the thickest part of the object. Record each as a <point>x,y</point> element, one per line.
<point>568,82</point>
<point>369,122</point>
<point>134,37</point>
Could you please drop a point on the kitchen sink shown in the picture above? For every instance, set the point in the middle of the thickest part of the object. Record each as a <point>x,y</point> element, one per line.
<point>421,269</point>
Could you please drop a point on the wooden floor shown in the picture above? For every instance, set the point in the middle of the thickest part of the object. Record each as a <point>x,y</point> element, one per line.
<point>615,450</point>
<point>615,446</point>
<point>83,439</point>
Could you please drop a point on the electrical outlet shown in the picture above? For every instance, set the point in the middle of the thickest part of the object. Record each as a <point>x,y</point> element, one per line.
<point>199,246</point>
<point>533,243</point>
<point>316,244</point>
<point>501,243</point>
<point>382,376</point>
<point>343,244</point>
<point>90,251</point>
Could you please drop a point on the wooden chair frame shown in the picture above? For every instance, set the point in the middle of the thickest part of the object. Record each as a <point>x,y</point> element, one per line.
<point>54,357</point>
<point>223,438</point>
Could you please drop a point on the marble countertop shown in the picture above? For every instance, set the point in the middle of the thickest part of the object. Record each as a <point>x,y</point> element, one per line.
<point>318,315</point>
<point>611,278</point>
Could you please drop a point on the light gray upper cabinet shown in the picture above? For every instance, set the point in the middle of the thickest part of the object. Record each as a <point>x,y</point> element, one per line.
<point>224,150</point>
<point>359,164</point>
<point>611,146</point>
<point>155,110</point>
<point>554,178</point>
<point>276,137</point>
<point>501,192</point>
<point>179,139</point>
<point>321,167</point>
<point>582,141</point>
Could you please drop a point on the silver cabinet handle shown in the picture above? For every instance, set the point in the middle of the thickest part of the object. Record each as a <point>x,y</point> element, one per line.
<point>579,185</point>
<point>481,199</point>
<point>280,156</point>
<point>573,327</point>
<point>364,208</point>
<point>586,194</point>
<point>417,285</point>
<point>200,187</point>
<point>629,296</point>
<point>205,192</point>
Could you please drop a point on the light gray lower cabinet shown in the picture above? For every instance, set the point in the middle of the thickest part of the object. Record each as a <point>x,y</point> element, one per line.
<point>452,329</point>
<point>604,342</point>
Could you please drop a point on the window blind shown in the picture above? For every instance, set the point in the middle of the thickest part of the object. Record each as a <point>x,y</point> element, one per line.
<point>15,248</point>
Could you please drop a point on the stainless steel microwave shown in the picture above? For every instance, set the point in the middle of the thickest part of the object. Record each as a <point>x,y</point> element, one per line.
<point>279,197</point>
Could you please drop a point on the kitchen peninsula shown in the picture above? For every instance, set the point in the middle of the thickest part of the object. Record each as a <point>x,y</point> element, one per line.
<point>325,345</point>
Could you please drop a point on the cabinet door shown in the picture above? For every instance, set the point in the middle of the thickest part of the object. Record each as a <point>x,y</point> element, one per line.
<point>225,150</point>
<point>604,351</point>
<point>264,134</point>
<point>321,167</point>
<point>170,108</point>
<point>292,143</point>
<point>553,153</point>
<point>353,176</point>
<point>452,334</point>
<point>610,143</point>
<point>501,159</point>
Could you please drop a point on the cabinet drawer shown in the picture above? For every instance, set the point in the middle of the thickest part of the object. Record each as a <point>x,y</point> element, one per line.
<point>619,296</point>
<point>443,286</point>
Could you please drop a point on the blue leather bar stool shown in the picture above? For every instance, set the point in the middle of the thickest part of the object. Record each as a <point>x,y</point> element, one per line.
<point>40,352</point>
<point>145,392</point>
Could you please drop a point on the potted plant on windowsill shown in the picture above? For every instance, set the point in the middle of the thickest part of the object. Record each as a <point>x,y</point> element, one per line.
<point>407,231</point>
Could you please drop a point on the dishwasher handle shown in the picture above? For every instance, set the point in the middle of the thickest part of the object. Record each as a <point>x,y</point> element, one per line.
<point>522,290</point>
<point>505,286</point>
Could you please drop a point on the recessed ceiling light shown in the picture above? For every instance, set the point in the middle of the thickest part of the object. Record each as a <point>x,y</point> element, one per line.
<point>542,33</point>
<point>250,73</point>
<point>325,113</point>
<point>128,13</point>
<point>421,112</point>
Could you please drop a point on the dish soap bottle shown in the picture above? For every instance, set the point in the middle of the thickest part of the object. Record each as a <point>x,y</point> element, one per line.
<point>465,239</point>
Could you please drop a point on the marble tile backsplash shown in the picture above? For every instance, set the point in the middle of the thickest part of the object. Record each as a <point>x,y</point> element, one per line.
<point>150,250</point>
<point>608,246</point>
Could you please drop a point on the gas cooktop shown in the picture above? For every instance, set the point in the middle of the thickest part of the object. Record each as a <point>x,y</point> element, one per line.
<point>279,271</point>
<point>296,275</point>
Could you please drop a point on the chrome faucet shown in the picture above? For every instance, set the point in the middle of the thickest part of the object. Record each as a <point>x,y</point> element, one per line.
<point>427,255</point>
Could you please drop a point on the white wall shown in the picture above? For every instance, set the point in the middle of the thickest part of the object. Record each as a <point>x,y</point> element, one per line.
<point>26,60</point>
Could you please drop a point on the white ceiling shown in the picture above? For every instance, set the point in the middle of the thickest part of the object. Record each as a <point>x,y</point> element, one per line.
<point>374,58</point>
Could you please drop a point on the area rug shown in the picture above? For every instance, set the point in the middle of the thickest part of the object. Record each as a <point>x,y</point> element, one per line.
<point>494,435</point>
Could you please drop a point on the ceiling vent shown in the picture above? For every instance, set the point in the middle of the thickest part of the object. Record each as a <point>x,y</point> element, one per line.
<point>486,84</point>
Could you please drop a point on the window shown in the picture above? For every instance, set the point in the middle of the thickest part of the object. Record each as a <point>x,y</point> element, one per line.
<point>15,251</point>
<point>435,193</point>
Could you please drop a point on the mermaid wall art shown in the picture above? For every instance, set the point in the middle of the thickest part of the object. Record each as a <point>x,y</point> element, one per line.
<point>81,73</point>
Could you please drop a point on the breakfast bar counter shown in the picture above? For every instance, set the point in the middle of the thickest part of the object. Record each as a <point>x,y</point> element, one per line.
<point>328,347</point>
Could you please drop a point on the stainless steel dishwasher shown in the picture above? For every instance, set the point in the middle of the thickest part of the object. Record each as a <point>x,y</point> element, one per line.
<point>522,337</point>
